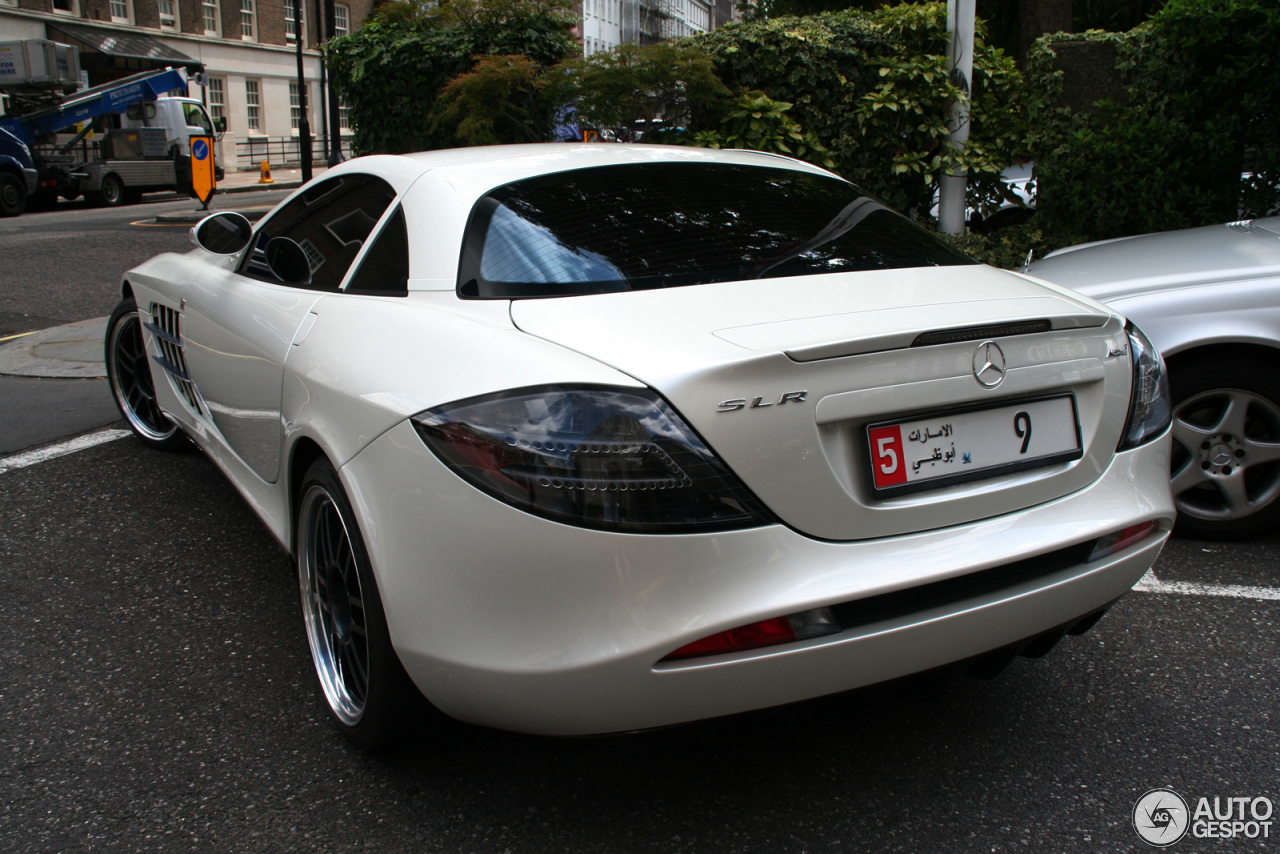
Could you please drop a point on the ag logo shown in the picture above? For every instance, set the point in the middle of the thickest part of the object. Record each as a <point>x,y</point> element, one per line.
<point>1161,817</point>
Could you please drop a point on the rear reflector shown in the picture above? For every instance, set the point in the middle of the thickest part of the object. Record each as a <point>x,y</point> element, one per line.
<point>1113,543</point>
<point>807,624</point>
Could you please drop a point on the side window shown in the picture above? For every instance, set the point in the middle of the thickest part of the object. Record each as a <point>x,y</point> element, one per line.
<point>330,221</point>
<point>385,268</point>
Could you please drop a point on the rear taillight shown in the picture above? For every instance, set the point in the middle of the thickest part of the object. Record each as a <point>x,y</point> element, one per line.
<point>618,459</point>
<point>1122,539</point>
<point>807,624</point>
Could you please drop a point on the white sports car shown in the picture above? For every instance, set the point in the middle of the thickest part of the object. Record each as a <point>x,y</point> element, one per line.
<point>1210,300</point>
<point>586,439</point>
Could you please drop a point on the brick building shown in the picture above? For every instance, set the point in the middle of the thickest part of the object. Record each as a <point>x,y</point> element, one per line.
<point>245,48</point>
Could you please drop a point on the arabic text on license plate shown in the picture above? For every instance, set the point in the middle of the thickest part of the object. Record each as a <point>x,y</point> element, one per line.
<point>967,445</point>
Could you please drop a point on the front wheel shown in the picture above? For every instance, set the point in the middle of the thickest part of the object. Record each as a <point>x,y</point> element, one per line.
<point>1226,449</point>
<point>13,194</point>
<point>129,373</point>
<point>363,683</point>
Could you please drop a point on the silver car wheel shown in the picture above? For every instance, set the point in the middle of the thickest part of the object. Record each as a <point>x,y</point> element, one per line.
<point>130,375</point>
<point>1226,463</point>
<point>333,606</point>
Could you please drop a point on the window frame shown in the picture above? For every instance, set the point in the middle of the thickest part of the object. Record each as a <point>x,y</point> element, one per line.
<point>299,27</point>
<point>253,104</point>
<point>176,26</point>
<point>74,11</point>
<point>250,22</point>
<point>126,18</point>
<point>345,29</point>
<point>205,7</point>
<point>217,86</point>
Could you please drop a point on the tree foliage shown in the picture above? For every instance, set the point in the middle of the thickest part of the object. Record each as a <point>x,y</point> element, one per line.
<point>392,71</point>
<point>498,101</point>
<point>1200,108</point>
<point>655,86</point>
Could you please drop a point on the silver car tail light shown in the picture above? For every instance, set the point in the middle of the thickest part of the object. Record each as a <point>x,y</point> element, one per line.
<point>617,459</point>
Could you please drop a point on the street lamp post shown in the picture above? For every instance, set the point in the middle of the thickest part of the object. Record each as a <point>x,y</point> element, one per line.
<point>960,17</point>
<point>304,126</point>
<point>335,123</point>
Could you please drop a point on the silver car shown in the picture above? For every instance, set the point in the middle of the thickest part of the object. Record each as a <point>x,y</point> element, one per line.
<point>1209,299</point>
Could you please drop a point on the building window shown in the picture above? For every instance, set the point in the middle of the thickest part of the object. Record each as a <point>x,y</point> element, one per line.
<point>291,25</point>
<point>66,7</point>
<point>246,20</point>
<point>217,91</point>
<point>211,16</point>
<point>253,100</point>
<point>341,20</point>
<point>295,105</point>
<point>120,11</point>
<point>344,116</point>
<point>168,14</point>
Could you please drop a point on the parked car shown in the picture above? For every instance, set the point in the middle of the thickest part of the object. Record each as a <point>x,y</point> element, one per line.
<point>1209,299</point>
<point>583,439</point>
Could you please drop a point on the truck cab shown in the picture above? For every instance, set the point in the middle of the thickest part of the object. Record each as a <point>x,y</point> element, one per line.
<point>17,174</point>
<point>181,118</point>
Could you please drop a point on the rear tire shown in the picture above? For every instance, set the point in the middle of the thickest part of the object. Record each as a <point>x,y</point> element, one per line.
<point>13,194</point>
<point>111,193</point>
<point>132,385</point>
<point>1226,447</point>
<point>364,686</point>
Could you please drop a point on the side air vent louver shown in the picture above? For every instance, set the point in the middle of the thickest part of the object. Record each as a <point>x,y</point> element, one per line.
<point>167,329</point>
<point>974,333</point>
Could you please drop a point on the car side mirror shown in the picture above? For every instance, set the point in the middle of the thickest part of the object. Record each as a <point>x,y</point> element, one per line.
<point>223,233</point>
<point>288,261</point>
<point>220,124</point>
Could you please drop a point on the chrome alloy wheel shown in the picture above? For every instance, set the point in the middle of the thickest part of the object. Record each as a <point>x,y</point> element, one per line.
<point>131,381</point>
<point>333,606</point>
<point>1226,459</point>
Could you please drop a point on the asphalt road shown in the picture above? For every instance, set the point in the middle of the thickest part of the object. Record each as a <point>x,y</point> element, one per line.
<point>65,265</point>
<point>156,695</point>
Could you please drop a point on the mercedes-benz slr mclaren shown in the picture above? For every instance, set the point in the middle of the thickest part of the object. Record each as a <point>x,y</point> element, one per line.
<point>593,438</point>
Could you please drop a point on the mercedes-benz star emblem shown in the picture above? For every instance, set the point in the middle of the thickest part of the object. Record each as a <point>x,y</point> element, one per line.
<point>988,364</point>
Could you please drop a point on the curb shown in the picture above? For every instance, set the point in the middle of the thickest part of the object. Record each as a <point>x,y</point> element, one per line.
<point>71,351</point>
<point>253,214</point>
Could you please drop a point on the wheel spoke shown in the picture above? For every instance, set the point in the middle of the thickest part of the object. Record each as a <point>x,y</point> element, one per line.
<point>1190,476</point>
<point>1233,419</point>
<point>1234,490</point>
<point>1190,435</point>
<point>1256,453</point>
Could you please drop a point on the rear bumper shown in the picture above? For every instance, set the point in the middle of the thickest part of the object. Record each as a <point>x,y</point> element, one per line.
<point>509,620</point>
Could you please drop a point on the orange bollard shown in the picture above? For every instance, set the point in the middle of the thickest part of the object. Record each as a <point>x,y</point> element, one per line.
<point>266,174</point>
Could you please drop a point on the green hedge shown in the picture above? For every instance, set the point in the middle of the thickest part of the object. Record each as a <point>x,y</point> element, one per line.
<point>1201,106</point>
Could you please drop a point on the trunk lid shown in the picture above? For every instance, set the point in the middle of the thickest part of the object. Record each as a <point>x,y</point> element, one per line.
<point>852,344</point>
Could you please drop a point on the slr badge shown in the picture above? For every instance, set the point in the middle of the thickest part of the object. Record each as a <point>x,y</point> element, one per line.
<point>988,364</point>
<point>736,403</point>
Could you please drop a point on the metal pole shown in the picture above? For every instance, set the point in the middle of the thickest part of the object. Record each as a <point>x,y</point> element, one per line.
<point>324,84</point>
<point>960,17</point>
<point>304,127</point>
<point>335,123</point>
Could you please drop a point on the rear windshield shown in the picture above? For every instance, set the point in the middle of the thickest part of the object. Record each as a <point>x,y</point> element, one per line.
<point>663,225</point>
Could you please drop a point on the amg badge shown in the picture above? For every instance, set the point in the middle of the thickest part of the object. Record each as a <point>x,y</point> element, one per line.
<point>734,404</point>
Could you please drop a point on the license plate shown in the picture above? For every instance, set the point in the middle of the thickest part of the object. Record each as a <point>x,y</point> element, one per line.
<point>968,444</point>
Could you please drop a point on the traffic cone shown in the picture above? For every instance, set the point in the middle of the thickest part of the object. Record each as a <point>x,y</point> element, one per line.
<point>266,174</point>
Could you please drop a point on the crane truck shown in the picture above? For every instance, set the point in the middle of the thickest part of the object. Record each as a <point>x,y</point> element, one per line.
<point>110,143</point>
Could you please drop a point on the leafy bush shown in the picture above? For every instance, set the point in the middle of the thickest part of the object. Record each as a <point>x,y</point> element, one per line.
<point>873,88</point>
<point>759,123</point>
<point>1200,108</point>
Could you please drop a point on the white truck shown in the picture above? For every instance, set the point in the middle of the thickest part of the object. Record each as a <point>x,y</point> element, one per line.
<point>111,143</point>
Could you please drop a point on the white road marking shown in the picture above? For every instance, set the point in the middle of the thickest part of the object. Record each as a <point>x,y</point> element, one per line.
<point>79,443</point>
<point>1150,584</point>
